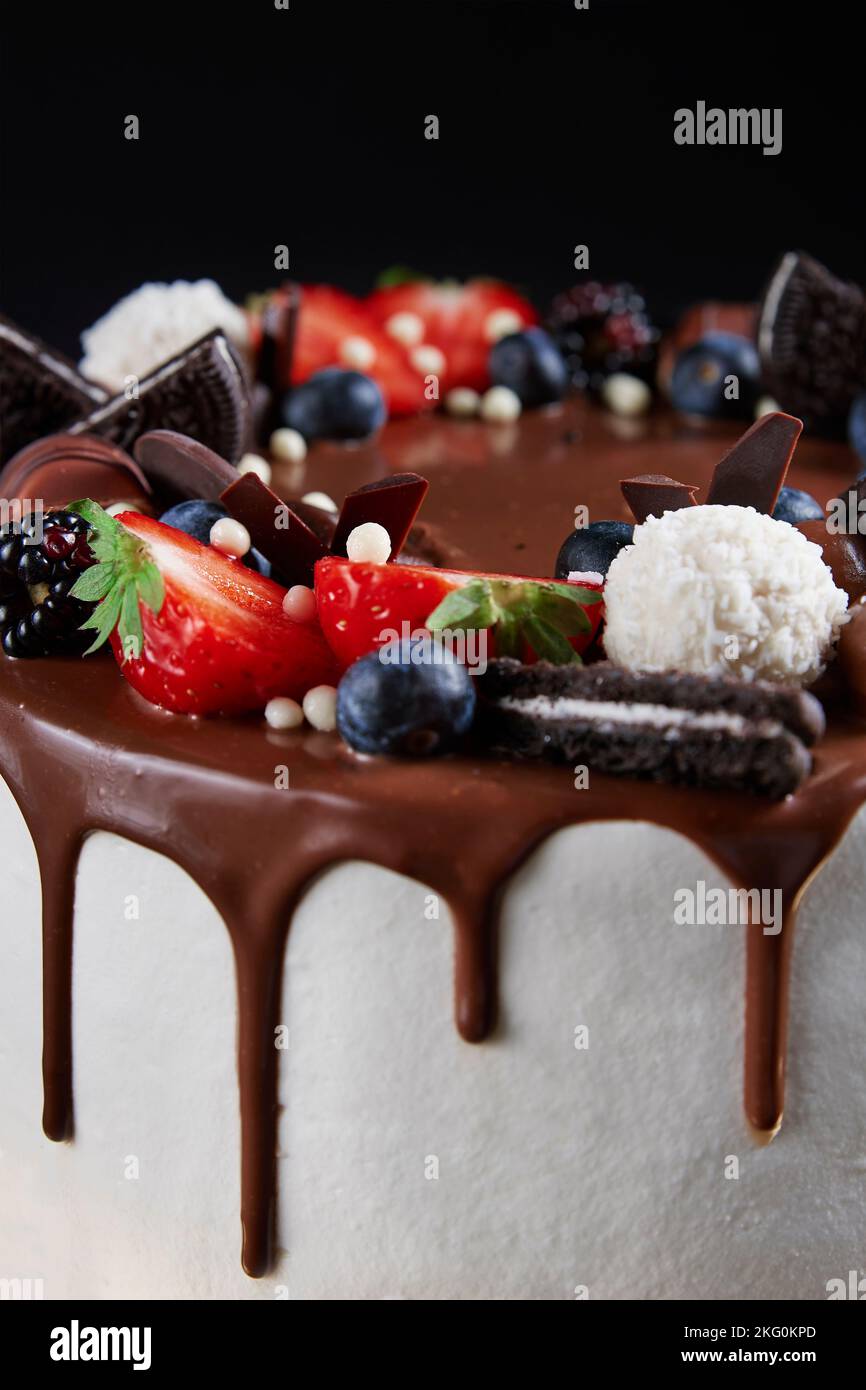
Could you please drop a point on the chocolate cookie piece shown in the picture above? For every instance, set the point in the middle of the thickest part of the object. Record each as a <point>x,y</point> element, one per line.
<point>40,390</point>
<point>812,340</point>
<point>64,468</point>
<point>201,393</point>
<point>180,469</point>
<point>669,726</point>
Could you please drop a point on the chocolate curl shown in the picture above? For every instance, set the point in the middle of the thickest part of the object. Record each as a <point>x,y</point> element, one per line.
<point>392,502</point>
<point>179,468</point>
<point>752,473</point>
<point>653,494</point>
<point>275,529</point>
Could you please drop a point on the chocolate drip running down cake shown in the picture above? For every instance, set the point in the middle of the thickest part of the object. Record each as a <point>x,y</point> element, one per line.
<point>477,1054</point>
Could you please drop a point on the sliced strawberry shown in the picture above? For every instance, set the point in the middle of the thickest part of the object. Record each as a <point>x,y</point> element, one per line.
<point>220,642</point>
<point>361,605</point>
<point>326,320</point>
<point>463,321</point>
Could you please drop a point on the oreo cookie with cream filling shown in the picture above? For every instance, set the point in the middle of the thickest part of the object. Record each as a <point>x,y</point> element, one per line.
<point>702,731</point>
<point>201,392</point>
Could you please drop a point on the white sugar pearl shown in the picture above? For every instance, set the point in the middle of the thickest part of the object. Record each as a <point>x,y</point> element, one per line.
<point>500,405</point>
<point>283,713</point>
<point>462,401</point>
<point>357,352</point>
<point>427,358</point>
<point>626,395</point>
<point>766,406</point>
<point>369,543</point>
<point>320,500</point>
<point>288,445</point>
<point>406,327</point>
<point>254,463</point>
<point>501,322</point>
<point>230,536</point>
<point>300,604</point>
<point>320,707</point>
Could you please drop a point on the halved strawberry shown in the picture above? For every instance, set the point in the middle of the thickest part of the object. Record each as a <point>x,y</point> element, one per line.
<point>360,605</point>
<point>327,318</point>
<point>463,321</point>
<point>191,629</point>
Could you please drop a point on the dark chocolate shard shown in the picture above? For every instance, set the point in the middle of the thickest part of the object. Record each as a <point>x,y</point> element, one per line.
<point>704,731</point>
<point>392,502</point>
<point>752,473</point>
<point>201,393</point>
<point>275,529</point>
<point>179,468</point>
<point>40,390</point>
<point>653,494</point>
<point>279,324</point>
<point>63,468</point>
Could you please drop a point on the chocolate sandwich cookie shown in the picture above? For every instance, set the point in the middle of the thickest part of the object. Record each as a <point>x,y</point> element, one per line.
<point>201,392</point>
<point>812,340</point>
<point>40,389</point>
<point>702,731</point>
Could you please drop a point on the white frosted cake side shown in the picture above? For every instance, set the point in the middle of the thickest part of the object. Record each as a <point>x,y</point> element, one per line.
<point>411,1164</point>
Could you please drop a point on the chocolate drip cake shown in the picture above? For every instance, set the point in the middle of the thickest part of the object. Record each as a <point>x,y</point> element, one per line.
<point>423,959</point>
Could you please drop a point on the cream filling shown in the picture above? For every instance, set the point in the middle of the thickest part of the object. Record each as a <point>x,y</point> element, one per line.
<point>618,712</point>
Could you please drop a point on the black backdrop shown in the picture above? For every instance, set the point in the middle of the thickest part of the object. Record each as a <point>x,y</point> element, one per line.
<point>306,127</point>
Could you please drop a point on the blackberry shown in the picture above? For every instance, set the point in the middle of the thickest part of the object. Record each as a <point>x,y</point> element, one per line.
<point>601,329</point>
<point>37,615</point>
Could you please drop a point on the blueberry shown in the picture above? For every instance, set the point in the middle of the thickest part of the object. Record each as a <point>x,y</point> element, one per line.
<point>411,698</point>
<point>593,548</point>
<point>335,404</point>
<point>794,505</point>
<point>196,518</point>
<point>531,364</point>
<point>700,376</point>
<point>857,426</point>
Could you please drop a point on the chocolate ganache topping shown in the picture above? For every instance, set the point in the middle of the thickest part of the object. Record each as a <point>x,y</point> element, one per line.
<point>461,824</point>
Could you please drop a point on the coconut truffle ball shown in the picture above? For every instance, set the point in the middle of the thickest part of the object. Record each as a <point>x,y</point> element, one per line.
<point>724,591</point>
<point>156,322</point>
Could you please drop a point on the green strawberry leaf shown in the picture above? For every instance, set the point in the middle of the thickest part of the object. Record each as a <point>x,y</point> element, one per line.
<point>124,577</point>
<point>544,614</point>
<point>94,583</point>
<point>469,608</point>
<point>549,644</point>
<point>400,275</point>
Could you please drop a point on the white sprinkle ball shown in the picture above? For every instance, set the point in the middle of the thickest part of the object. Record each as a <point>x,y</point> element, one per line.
<point>357,352</point>
<point>254,463</point>
<point>500,405</point>
<point>626,395</point>
<point>427,358</point>
<point>369,543</point>
<point>289,446</point>
<point>230,536</point>
<point>462,402</point>
<point>500,323</point>
<point>283,713</point>
<point>320,708</point>
<point>320,500</point>
<point>406,328</point>
<point>300,604</point>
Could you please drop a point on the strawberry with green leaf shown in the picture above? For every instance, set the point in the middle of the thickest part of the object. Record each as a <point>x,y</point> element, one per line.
<point>531,619</point>
<point>192,629</point>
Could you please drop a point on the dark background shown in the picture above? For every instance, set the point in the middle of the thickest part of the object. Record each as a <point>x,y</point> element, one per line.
<point>306,127</point>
